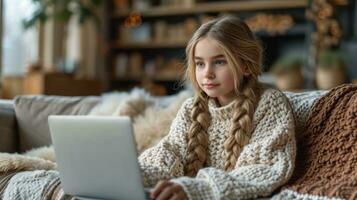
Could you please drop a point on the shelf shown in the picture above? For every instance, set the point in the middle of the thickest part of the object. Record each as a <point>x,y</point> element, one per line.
<point>137,79</point>
<point>149,45</point>
<point>223,6</point>
<point>165,79</point>
<point>297,30</point>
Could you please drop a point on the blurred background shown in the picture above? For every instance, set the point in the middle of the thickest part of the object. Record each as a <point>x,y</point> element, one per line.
<point>88,47</point>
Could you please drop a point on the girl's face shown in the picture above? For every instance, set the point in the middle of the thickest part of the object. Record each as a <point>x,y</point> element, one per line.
<point>213,73</point>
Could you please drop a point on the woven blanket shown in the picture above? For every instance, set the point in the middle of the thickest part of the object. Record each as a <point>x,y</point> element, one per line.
<point>327,153</point>
<point>34,185</point>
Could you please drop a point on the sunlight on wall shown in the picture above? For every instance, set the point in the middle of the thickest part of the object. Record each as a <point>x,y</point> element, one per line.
<point>19,47</point>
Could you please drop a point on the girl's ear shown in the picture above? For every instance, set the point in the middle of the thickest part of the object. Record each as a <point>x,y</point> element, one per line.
<point>246,71</point>
<point>244,68</point>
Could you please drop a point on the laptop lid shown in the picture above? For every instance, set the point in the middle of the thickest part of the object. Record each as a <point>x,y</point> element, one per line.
<point>97,156</point>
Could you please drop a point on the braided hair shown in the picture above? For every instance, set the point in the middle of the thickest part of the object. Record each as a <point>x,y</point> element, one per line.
<point>244,55</point>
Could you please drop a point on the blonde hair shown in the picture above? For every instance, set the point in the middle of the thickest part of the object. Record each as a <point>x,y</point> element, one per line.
<point>240,48</point>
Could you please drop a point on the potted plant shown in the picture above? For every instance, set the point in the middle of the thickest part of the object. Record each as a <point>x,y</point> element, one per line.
<point>331,69</point>
<point>62,11</point>
<point>288,73</point>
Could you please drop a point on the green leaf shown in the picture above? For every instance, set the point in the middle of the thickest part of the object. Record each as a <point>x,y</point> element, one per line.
<point>64,15</point>
<point>84,14</point>
<point>62,10</point>
<point>96,2</point>
<point>287,63</point>
<point>331,59</point>
<point>38,15</point>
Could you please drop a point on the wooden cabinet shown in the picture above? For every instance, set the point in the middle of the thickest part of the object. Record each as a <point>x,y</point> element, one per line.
<point>11,86</point>
<point>59,84</point>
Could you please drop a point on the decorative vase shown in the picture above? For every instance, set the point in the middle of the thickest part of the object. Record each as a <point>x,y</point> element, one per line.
<point>290,80</point>
<point>327,78</point>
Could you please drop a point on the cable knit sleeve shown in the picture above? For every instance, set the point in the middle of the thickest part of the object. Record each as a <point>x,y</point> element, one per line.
<point>263,165</point>
<point>165,160</point>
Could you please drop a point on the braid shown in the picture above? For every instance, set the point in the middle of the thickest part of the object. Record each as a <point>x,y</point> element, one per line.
<point>197,136</point>
<point>242,123</point>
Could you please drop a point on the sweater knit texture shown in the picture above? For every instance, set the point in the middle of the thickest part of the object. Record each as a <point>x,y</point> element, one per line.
<point>326,160</point>
<point>264,164</point>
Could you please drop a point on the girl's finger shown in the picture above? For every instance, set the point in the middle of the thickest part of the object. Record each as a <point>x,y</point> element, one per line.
<point>158,188</point>
<point>179,196</point>
<point>175,197</point>
<point>166,193</point>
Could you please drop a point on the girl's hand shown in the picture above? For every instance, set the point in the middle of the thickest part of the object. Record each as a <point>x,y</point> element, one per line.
<point>168,190</point>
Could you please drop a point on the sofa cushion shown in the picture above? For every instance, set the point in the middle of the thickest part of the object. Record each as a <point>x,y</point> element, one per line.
<point>32,113</point>
<point>8,136</point>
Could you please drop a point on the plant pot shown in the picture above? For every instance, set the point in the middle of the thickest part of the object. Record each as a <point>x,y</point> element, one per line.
<point>327,78</point>
<point>290,80</point>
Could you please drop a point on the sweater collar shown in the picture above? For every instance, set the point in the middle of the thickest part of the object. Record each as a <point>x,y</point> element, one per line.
<point>223,112</point>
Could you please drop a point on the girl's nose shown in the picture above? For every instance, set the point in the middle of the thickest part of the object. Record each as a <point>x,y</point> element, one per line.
<point>209,73</point>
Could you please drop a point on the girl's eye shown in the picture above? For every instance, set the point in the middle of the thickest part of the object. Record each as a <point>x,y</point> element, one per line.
<point>200,64</point>
<point>220,62</point>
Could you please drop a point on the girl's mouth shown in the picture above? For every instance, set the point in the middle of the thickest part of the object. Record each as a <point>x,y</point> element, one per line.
<point>210,86</point>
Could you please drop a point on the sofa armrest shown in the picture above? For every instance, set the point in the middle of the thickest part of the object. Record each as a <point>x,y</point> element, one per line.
<point>8,127</point>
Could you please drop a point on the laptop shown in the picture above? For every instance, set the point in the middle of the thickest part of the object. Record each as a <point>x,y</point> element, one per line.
<point>97,157</point>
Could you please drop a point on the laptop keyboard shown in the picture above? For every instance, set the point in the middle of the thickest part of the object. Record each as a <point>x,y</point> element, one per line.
<point>147,193</point>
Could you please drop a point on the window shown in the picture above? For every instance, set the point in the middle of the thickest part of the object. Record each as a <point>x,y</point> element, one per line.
<point>19,46</point>
<point>1,13</point>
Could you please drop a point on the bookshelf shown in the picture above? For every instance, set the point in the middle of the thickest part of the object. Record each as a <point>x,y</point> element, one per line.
<point>153,48</point>
<point>149,45</point>
<point>221,6</point>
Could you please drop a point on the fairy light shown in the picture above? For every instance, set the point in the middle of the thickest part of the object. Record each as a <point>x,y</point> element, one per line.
<point>133,20</point>
<point>328,30</point>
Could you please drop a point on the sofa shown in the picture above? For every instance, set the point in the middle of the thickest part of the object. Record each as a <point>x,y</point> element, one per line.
<point>23,127</point>
<point>23,121</point>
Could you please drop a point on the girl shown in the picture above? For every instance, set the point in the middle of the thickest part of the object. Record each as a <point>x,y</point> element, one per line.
<point>235,138</point>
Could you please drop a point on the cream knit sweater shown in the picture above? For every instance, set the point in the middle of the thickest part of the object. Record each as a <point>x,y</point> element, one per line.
<point>263,165</point>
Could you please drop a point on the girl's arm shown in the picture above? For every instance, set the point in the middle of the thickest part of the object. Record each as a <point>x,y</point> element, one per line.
<point>264,164</point>
<point>165,160</point>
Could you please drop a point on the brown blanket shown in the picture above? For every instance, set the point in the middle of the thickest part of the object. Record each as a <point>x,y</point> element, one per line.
<point>327,152</point>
